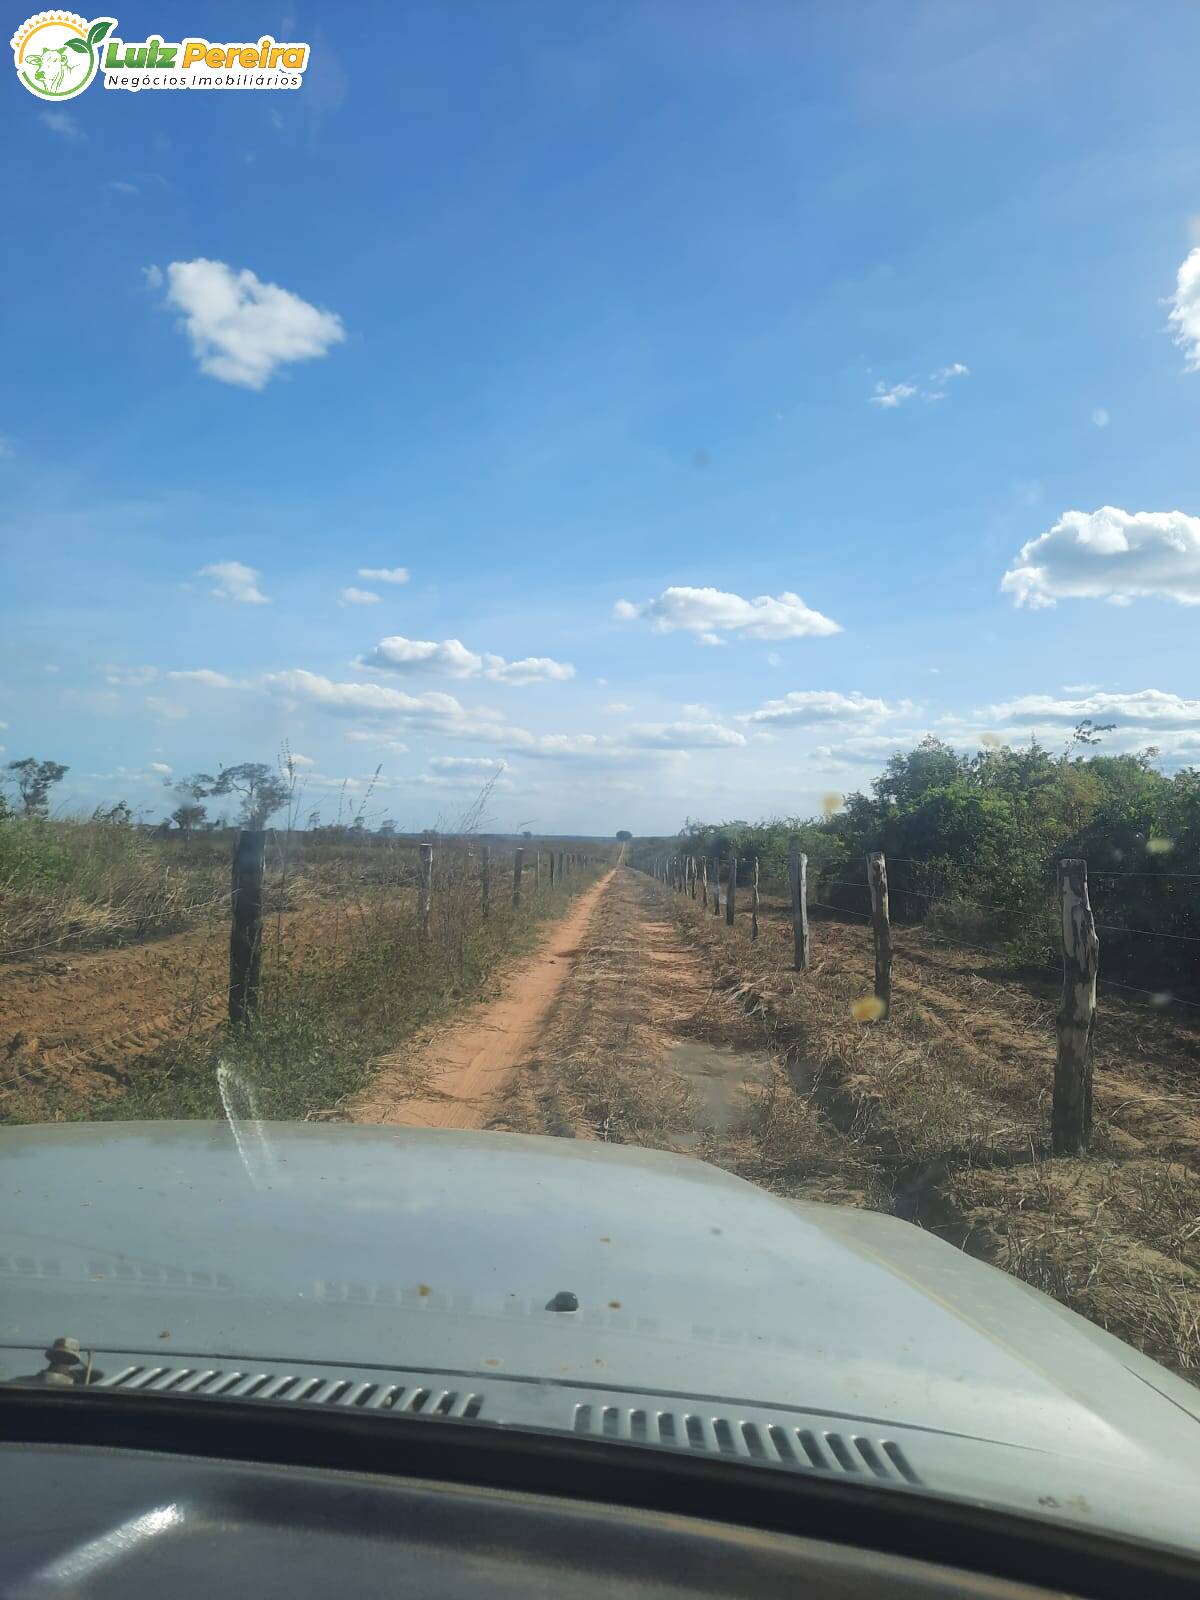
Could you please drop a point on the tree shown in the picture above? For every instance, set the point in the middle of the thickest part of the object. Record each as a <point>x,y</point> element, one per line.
<point>624,835</point>
<point>119,815</point>
<point>187,815</point>
<point>260,790</point>
<point>34,780</point>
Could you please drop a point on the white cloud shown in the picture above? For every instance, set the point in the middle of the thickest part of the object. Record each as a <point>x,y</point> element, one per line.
<point>205,676</point>
<point>241,329</point>
<point>122,187</point>
<point>449,657</point>
<point>1149,709</point>
<point>153,276</point>
<point>889,396</point>
<point>384,574</point>
<point>64,124</point>
<point>1100,418</point>
<point>530,669</point>
<point>1109,554</point>
<point>805,706</point>
<point>1185,310</point>
<point>130,677</point>
<point>870,749</point>
<point>710,612</point>
<point>617,706</point>
<point>235,582</point>
<point>298,760</point>
<point>160,767</point>
<point>682,736</point>
<point>357,597</point>
<point>379,740</point>
<point>956,369</point>
<point>437,712</point>
<point>468,764</point>
<point>452,659</point>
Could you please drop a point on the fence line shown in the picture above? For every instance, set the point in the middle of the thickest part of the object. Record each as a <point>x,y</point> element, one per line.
<point>1071,1101</point>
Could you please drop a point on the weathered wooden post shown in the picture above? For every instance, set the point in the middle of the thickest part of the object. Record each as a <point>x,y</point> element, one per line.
<point>704,881</point>
<point>245,933</point>
<point>716,886</point>
<point>1071,1117</point>
<point>754,903</point>
<point>798,878</point>
<point>537,870</point>
<point>425,889</point>
<point>731,892</point>
<point>518,868</point>
<point>485,880</point>
<point>561,866</point>
<point>882,928</point>
<point>552,869</point>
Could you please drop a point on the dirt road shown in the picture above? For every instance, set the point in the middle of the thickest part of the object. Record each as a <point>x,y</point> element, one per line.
<point>470,1060</point>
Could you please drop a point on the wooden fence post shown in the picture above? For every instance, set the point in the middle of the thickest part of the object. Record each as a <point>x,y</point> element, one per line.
<point>425,889</point>
<point>552,869</point>
<point>537,870</point>
<point>754,903</point>
<point>1071,1118</point>
<point>561,865</point>
<point>882,928</point>
<point>798,878</point>
<point>716,886</point>
<point>518,868</point>
<point>704,881</point>
<point>731,893</point>
<point>485,880</point>
<point>245,933</point>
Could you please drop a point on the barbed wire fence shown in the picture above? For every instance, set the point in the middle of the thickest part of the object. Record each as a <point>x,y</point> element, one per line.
<point>1078,936</point>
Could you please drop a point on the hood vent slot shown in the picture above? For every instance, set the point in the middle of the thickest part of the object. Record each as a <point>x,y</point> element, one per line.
<point>426,1399</point>
<point>777,1443</point>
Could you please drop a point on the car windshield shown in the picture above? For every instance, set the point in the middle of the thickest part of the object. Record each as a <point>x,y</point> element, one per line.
<point>599,727</point>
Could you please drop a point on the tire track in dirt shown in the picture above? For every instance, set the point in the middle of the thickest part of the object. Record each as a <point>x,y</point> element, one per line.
<point>86,1017</point>
<point>471,1060</point>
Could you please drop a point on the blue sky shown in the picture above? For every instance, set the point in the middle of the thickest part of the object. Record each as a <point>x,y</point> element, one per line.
<point>614,326</point>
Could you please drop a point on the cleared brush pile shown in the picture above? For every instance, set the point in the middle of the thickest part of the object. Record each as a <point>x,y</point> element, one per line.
<point>948,1102</point>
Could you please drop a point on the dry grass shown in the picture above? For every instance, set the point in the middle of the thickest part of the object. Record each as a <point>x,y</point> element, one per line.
<point>947,1105</point>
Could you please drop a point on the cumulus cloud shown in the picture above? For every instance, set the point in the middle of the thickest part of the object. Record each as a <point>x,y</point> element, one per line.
<point>160,767</point>
<point>357,597</point>
<point>452,659</point>
<point>204,676</point>
<point>1150,709</point>
<point>437,712</point>
<point>1185,310</point>
<point>682,736</point>
<point>806,706</point>
<point>241,329</point>
<point>711,612</point>
<point>384,574</point>
<point>235,582</point>
<point>130,677</point>
<point>956,369</point>
<point>1111,555</point>
<point>889,396</point>
<point>530,669</point>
